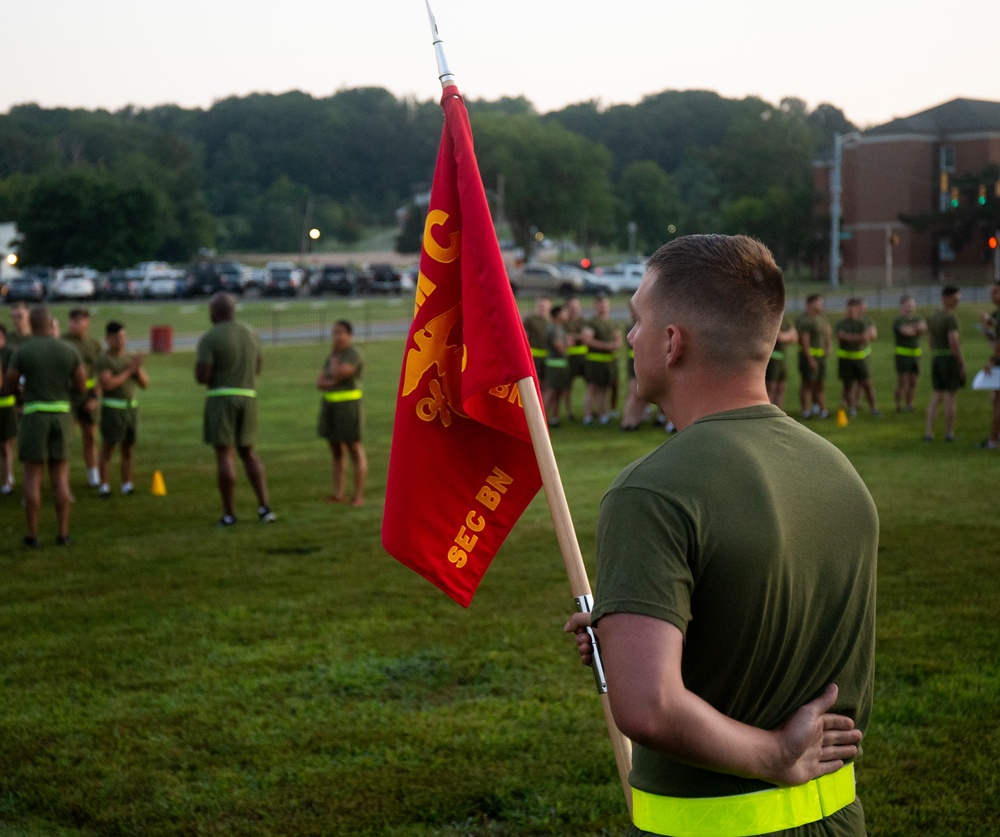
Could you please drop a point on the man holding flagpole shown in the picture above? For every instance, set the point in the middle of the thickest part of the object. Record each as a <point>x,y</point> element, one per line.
<point>734,607</point>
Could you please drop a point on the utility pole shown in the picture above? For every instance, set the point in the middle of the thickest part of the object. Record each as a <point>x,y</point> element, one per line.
<point>836,187</point>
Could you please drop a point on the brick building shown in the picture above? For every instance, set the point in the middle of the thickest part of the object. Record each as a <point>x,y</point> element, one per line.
<point>913,166</point>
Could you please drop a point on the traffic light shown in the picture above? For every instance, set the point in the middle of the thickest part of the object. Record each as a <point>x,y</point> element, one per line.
<point>982,195</point>
<point>585,263</point>
<point>992,242</point>
<point>954,197</point>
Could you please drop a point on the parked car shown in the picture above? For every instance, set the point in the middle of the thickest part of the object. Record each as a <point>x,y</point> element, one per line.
<point>547,278</point>
<point>164,287</point>
<point>591,283</point>
<point>118,285</point>
<point>380,278</point>
<point>23,289</point>
<point>74,283</point>
<point>333,278</point>
<point>145,273</point>
<point>206,278</point>
<point>281,279</point>
<point>46,275</point>
<point>624,278</point>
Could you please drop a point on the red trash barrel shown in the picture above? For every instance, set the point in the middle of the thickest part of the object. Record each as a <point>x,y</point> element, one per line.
<point>161,339</point>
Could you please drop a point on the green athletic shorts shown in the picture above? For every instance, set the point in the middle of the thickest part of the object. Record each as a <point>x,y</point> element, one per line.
<point>808,375</point>
<point>119,426</point>
<point>777,370</point>
<point>230,421</point>
<point>8,423</point>
<point>601,373</point>
<point>946,374</point>
<point>340,421</point>
<point>851,371</point>
<point>79,411</point>
<point>907,365</point>
<point>557,377</point>
<point>44,437</point>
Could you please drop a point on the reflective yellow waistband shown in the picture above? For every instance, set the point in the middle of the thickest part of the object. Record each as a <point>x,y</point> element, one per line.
<point>46,407</point>
<point>747,814</point>
<point>861,354</point>
<point>342,395</point>
<point>8,401</point>
<point>600,357</point>
<point>557,363</point>
<point>539,352</point>
<point>576,350</point>
<point>91,383</point>
<point>818,352</point>
<point>119,403</point>
<point>247,393</point>
<point>905,352</point>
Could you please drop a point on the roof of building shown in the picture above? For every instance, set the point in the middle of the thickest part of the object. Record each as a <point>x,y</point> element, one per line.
<point>959,116</point>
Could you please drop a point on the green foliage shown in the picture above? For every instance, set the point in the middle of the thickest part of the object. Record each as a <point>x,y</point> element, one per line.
<point>239,175</point>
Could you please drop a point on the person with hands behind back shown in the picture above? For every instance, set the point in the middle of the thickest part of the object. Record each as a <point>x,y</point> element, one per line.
<point>734,609</point>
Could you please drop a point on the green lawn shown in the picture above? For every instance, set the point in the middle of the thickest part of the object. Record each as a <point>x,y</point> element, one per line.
<point>163,676</point>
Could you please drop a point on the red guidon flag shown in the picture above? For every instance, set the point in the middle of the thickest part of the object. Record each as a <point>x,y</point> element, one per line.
<point>462,468</point>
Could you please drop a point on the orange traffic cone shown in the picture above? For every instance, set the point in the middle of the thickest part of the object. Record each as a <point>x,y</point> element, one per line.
<point>159,486</point>
<point>841,417</point>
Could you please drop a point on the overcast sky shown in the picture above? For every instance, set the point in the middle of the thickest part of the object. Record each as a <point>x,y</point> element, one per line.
<point>874,59</point>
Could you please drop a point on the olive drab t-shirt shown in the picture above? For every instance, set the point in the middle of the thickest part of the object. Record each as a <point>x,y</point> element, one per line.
<point>905,341</point>
<point>47,365</point>
<point>535,326</point>
<point>725,532</point>
<point>852,327</point>
<point>816,327</point>
<point>233,350</point>
<point>88,348</point>
<point>938,325</point>
<point>350,356</point>
<point>116,365</point>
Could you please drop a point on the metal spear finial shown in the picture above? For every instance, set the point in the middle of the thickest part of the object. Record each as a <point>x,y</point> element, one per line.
<point>444,74</point>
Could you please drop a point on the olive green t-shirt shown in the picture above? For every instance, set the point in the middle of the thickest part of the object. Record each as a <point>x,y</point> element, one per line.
<point>115,365</point>
<point>938,325</point>
<point>350,356</point>
<point>725,532</point>
<point>88,348</point>
<point>232,350</point>
<point>604,330</point>
<point>852,327</point>
<point>535,326</point>
<point>47,365</point>
<point>817,328</point>
<point>905,341</point>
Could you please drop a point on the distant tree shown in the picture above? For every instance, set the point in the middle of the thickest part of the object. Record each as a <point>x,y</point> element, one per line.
<point>648,197</point>
<point>411,236</point>
<point>554,180</point>
<point>82,217</point>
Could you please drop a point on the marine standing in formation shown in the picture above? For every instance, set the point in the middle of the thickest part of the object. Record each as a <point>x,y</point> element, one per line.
<point>85,405</point>
<point>341,413</point>
<point>228,363</point>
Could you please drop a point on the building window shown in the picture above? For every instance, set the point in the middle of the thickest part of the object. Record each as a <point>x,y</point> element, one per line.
<point>947,158</point>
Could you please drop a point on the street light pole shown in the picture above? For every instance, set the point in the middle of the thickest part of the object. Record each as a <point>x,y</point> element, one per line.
<point>836,188</point>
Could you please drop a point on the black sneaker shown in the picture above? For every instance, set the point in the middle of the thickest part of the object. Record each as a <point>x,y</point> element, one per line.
<point>30,542</point>
<point>62,540</point>
<point>265,515</point>
<point>227,520</point>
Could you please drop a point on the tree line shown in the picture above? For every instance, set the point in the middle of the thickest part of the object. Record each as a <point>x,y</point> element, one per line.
<point>253,173</point>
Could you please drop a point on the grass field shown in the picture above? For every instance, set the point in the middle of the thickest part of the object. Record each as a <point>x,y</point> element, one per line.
<point>163,676</point>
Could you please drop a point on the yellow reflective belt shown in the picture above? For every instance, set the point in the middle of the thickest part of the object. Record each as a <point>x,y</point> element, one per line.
<point>576,350</point>
<point>119,403</point>
<point>818,352</point>
<point>905,352</point>
<point>343,395</point>
<point>8,401</point>
<point>247,393</point>
<point>776,355</point>
<point>746,814</point>
<point>46,407</point>
<point>846,355</point>
<point>557,363</point>
<point>600,357</point>
<point>539,352</point>
<point>91,383</point>
<point>631,354</point>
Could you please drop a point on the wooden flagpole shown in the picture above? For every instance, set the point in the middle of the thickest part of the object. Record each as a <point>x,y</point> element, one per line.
<point>569,546</point>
